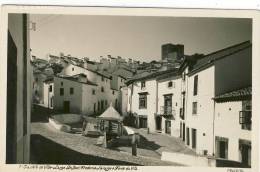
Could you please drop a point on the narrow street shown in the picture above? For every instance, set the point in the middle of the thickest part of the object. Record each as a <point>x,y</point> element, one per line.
<point>49,146</point>
<point>153,144</point>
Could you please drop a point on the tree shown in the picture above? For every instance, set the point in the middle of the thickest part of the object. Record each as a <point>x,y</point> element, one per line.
<point>57,68</point>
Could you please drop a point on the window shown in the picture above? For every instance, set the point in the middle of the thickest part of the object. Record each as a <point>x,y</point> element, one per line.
<point>98,105</point>
<point>71,91</point>
<point>194,108</point>
<point>93,92</point>
<point>102,104</point>
<point>113,92</point>
<point>73,69</point>
<point>94,107</point>
<point>195,88</point>
<point>245,115</point>
<point>102,89</point>
<point>142,84</point>
<point>61,91</point>
<point>121,80</point>
<point>170,84</point>
<point>61,83</point>
<point>245,119</point>
<point>142,101</point>
<point>50,88</point>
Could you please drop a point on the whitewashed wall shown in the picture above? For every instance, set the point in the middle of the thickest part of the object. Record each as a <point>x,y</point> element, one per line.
<point>227,125</point>
<point>74,70</point>
<point>151,88</point>
<point>175,90</point>
<point>75,99</point>
<point>203,120</point>
<point>88,99</point>
<point>47,94</point>
<point>124,100</point>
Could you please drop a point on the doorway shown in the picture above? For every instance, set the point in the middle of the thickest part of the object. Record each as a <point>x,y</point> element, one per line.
<point>245,152</point>
<point>158,123</point>
<point>167,126</point>
<point>222,147</point>
<point>66,106</point>
<point>183,132</point>
<point>142,122</point>
<point>194,138</point>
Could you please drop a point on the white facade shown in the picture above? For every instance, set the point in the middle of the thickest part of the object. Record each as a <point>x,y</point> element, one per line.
<point>227,126</point>
<point>74,100</point>
<point>150,90</point>
<point>123,100</point>
<point>202,121</point>
<point>48,89</point>
<point>170,87</point>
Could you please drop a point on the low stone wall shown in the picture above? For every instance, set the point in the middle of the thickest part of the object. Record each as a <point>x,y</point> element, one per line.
<point>67,118</point>
<point>188,160</point>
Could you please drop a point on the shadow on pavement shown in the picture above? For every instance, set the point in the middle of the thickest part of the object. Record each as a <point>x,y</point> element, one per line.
<point>144,143</point>
<point>45,151</point>
<point>40,113</point>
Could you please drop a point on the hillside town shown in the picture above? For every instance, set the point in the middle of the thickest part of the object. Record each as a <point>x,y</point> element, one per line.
<point>193,98</point>
<point>183,108</point>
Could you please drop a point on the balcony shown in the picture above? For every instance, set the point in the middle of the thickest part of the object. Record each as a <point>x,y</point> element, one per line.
<point>245,119</point>
<point>167,111</point>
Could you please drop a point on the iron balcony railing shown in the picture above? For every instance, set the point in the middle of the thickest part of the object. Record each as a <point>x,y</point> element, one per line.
<point>245,119</point>
<point>167,110</point>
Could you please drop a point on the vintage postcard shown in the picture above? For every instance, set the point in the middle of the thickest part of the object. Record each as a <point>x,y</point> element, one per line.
<point>103,88</point>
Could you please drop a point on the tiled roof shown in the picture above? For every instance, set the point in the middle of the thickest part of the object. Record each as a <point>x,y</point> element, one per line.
<point>171,74</point>
<point>209,59</point>
<point>76,79</point>
<point>124,73</point>
<point>240,94</point>
<point>149,75</point>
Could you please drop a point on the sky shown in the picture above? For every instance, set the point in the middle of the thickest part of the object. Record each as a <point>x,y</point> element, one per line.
<point>139,38</point>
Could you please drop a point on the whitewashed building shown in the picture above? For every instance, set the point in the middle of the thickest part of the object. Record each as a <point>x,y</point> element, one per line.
<point>169,103</point>
<point>212,75</point>
<point>143,99</point>
<point>232,125</point>
<point>75,94</point>
<point>48,91</point>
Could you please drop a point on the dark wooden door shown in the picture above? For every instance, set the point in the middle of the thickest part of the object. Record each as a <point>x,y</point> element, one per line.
<point>168,127</point>
<point>194,138</point>
<point>222,149</point>
<point>183,131</point>
<point>245,151</point>
<point>66,106</point>
<point>159,123</point>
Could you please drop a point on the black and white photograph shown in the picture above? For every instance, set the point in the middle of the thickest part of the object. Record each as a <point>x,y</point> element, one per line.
<point>129,90</point>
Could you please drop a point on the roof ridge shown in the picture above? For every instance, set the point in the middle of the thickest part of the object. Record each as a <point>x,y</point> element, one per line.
<point>224,49</point>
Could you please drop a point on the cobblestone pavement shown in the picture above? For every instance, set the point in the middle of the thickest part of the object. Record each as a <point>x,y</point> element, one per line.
<point>153,144</point>
<point>51,146</point>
